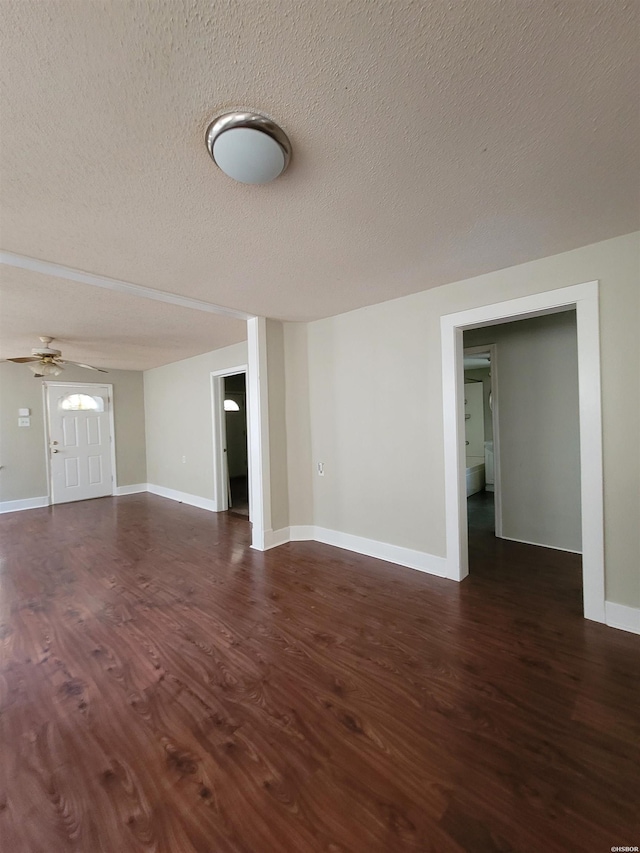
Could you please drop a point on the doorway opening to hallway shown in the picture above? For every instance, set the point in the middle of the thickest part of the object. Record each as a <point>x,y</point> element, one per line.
<point>235,417</point>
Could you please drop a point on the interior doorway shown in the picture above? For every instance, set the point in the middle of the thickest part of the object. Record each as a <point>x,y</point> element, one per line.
<point>482,438</point>
<point>539,458</point>
<point>235,417</point>
<point>80,441</point>
<point>584,299</point>
<point>231,451</point>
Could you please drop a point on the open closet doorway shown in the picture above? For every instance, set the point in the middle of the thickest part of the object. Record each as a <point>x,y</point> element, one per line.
<point>231,467</point>
<point>235,418</point>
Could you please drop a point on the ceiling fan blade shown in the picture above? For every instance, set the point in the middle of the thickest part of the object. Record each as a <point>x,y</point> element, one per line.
<point>24,360</point>
<point>78,364</point>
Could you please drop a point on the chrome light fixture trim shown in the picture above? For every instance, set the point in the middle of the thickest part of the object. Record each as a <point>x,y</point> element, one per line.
<point>251,121</point>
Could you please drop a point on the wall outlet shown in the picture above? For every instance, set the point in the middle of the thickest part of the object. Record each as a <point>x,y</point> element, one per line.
<point>184,459</point>
<point>320,469</point>
<point>24,422</point>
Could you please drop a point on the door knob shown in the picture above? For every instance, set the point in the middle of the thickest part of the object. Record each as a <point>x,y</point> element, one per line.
<point>55,450</point>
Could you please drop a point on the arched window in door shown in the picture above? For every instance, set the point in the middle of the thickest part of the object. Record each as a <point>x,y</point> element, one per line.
<point>82,403</point>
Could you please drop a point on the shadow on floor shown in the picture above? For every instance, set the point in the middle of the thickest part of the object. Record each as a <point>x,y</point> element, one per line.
<point>239,504</point>
<point>532,576</point>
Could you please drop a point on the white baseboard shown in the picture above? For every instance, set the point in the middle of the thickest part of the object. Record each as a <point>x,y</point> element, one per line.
<point>302,533</point>
<point>539,544</point>
<point>273,538</point>
<point>183,497</point>
<point>137,488</point>
<point>26,503</point>
<point>622,617</point>
<point>419,560</point>
<point>131,490</point>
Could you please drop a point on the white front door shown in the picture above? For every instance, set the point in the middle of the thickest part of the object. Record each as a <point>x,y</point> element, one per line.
<point>79,442</point>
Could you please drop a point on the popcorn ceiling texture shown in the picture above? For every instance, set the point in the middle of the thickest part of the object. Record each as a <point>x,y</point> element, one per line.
<point>432,142</point>
<point>103,328</point>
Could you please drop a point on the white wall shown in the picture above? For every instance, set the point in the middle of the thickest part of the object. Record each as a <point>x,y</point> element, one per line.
<point>474,418</point>
<point>483,374</point>
<point>358,370</point>
<point>539,428</point>
<point>177,399</point>
<point>22,451</point>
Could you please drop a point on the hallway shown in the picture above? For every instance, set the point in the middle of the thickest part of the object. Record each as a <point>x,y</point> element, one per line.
<point>533,578</point>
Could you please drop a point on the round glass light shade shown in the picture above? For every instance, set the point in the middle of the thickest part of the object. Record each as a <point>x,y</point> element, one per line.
<point>248,147</point>
<point>46,369</point>
<point>248,156</point>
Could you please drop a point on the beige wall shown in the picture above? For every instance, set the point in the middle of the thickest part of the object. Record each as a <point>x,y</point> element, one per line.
<point>277,425</point>
<point>298,424</point>
<point>22,452</point>
<point>387,483</point>
<point>178,412</point>
<point>177,399</point>
<point>539,428</point>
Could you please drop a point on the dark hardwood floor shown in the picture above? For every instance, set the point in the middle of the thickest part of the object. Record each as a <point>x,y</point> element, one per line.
<point>165,688</point>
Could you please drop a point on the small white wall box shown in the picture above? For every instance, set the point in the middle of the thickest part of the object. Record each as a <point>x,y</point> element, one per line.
<point>24,422</point>
<point>24,413</point>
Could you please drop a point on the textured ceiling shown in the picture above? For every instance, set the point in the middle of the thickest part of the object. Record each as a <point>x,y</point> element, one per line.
<point>432,142</point>
<point>103,328</point>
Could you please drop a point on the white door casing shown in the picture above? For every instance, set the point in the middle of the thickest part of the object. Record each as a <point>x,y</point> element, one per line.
<point>80,441</point>
<point>584,298</point>
<point>257,434</point>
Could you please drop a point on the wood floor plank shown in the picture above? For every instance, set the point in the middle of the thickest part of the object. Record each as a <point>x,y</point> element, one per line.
<point>165,688</point>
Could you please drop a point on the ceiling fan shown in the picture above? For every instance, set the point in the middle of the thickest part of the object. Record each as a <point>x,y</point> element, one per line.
<point>46,361</point>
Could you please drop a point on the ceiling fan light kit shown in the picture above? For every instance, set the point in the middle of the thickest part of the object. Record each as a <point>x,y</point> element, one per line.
<point>46,350</point>
<point>46,361</point>
<point>45,369</point>
<point>248,147</point>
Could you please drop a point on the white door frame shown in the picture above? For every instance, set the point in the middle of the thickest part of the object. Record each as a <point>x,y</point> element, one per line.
<point>220,465</point>
<point>584,298</point>
<point>257,433</point>
<point>258,429</point>
<point>492,349</point>
<point>112,431</point>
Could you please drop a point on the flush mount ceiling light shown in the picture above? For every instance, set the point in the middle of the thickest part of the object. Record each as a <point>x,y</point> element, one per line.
<point>248,147</point>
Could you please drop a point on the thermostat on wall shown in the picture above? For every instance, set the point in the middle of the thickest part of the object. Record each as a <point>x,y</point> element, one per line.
<point>24,413</point>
